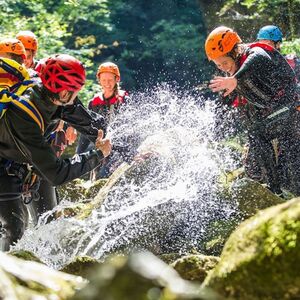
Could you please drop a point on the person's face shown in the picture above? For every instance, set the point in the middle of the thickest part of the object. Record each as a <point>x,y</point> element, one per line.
<point>108,82</point>
<point>65,98</point>
<point>226,64</point>
<point>29,58</point>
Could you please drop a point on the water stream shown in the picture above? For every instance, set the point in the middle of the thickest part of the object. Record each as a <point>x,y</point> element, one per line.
<point>166,208</point>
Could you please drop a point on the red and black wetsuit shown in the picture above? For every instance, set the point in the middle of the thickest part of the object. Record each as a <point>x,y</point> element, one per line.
<point>107,107</point>
<point>268,83</point>
<point>294,62</point>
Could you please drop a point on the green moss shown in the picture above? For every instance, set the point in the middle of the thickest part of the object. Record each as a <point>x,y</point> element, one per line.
<point>25,255</point>
<point>81,266</point>
<point>195,267</point>
<point>261,258</point>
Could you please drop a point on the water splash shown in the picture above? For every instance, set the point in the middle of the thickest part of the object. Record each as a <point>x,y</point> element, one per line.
<point>168,208</point>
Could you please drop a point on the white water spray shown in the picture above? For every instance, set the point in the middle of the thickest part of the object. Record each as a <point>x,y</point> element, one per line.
<point>165,210</point>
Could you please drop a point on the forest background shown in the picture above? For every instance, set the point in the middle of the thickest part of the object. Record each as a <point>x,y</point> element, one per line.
<point>153,42</point>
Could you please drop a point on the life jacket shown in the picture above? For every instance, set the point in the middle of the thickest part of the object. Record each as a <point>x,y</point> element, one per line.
<point>14,81</point>
<point>241,101</point>
<point>118,99</point>
<point>108,107</point>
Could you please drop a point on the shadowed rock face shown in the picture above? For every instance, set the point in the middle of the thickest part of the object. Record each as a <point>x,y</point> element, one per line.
<point>261,258</point>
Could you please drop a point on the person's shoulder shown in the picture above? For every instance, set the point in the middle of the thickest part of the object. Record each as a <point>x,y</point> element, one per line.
<point>96,100</point>
<point>123,93</point>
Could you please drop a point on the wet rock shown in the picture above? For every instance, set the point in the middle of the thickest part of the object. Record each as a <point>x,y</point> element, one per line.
<point>141,276</point>
<point>81,266</point>
<point>170,258</point>
<point>217,234</point>
<point>79,189</point>
<point>195,267</point>
<point>251,196</point>
<point>247,197</point>
<point>261,258</point>
<point>25,255</point>
<point>27,280</point>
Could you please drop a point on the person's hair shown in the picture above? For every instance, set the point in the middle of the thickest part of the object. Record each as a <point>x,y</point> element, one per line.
<point>16,57</point>
<point>237,51</point>
<point>52,95</point>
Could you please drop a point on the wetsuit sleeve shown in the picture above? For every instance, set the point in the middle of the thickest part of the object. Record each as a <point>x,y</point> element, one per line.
<point>84,121</point>
<point>57,170</point>
<point>39,153</point>
<point>83,144</point>
<point>255,60</point>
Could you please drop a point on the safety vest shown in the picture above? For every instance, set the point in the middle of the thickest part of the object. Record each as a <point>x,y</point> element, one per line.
<point>118,99</point>
<point>14,81</point>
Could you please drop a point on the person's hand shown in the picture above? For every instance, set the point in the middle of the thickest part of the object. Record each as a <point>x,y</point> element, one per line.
<point>71,135</point>
<point>102,144</point>
<point>226,84</point>
<point>140,157</point>
<point>60,126</point>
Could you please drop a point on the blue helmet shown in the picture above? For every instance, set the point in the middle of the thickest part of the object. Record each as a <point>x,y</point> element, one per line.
<point>270,32</point>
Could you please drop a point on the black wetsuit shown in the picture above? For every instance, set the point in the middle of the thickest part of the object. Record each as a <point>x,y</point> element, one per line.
<point>268,83</point>
<point>22,143</point>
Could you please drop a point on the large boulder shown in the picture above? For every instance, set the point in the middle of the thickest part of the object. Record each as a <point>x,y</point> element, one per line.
<point>261,258</point>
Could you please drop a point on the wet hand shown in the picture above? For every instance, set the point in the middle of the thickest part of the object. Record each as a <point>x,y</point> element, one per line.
<point>103,144</point>
<point>226,84</point>
<point>71,135</point>
<point>140,157</point>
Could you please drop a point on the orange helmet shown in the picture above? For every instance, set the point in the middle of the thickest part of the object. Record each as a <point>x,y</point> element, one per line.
<point>109,67</point>
<point>220,42</point>
<point>11,45</point>
<point>28,39</point>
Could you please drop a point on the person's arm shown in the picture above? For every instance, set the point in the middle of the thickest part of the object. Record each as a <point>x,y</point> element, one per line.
<point>39,153</point>
<point>84,121</point>
<point>255,61</point>
<point>83,144</point>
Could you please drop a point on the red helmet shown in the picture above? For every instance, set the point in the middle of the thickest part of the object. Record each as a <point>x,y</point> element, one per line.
<point>61,72</point>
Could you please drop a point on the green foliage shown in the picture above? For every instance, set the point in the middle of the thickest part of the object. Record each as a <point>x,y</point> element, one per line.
<point>283,13</point>
<point>151,42</point>
<point>147,40</point>
<point>291,47</point>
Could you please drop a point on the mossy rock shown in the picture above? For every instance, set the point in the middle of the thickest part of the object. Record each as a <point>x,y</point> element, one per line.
<point>217,234</point>
<point>251,196</point>
<point>25,255</point>
<point>195,267</point>
<point>81,266</point>
<point>169,258</point>
<point>261,258</point>
<point>79,189</point>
